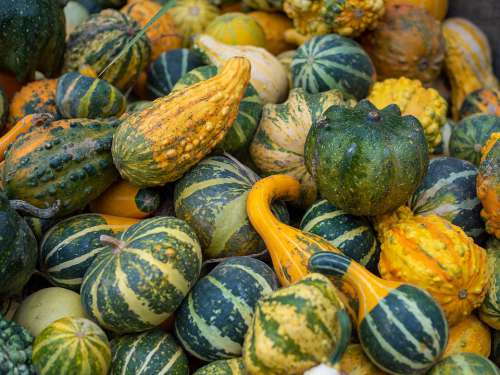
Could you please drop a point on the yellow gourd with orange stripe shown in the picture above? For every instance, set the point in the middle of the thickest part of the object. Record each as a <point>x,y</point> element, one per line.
<point>436,8</point>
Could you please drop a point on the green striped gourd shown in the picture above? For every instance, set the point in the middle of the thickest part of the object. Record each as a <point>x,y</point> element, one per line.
<point>296,328</point>
<point>232,366</point>
<point>140,280</point>
<point>168,68</point>
<point>4,108</point>
<point>481,101</point>
<point>489,312</point>
<point>70,246</point>
<point>72,346</point>
<point>241,133</point>
<point>333,62</point>
<point>267,5</point>
<point>470,135</point>
<point>353,235</point>
<point>212,321</point>
<point>98,40</point>
<point>465,364</point>
<point>212,199</point>
<point>402,328</point>
<point>151,352</point>
<point>449,190</point>
<point>79,96</point>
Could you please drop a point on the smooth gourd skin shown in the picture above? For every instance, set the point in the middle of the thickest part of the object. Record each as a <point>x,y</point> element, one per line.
<point>469,336</point>
<point>237,29</point>
<point>362,159</point>
<point>274,26</point>
<point>233,366</point>
<point>481,101</point>
<point>464,364</point>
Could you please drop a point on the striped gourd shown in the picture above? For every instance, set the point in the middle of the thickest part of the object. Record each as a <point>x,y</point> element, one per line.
<point>39,226</point>
<point>469,136</point>
<point>267,5</point>
<point>138,281</point>
<point>489,311</point>
<point>72,346</point>
<point>333,62</point>
<point>212,199</point>
<point>138,106</point>
<point>78,96</point>
<point>212,321</point>
<point>232,366</point>
<point>4,108</point>
<point>465,364</point>
<point>243,128</point>
<point>469,336</point>
<point>449,190</point>
<point>151,352</point>
<point>481,101</point>
<point>70,246</point>
<point>168,68</point>
<point>237,29</point>
<point>401,328</point>
<point>353,235</point>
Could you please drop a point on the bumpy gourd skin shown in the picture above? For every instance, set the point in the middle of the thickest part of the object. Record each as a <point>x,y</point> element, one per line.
<point>15,349</point>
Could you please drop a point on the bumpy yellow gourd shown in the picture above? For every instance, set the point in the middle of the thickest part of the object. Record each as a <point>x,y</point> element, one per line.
<point>413,99</point>
<point>432,253</point>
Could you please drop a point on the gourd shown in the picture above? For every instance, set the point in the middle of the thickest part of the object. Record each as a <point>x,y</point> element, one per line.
<point>65,161</point>
<point>161,143</point>
<point>333,62</point>
<point>432,253</point>
<point>296,328</point>
<point>278,144</point>
<point>268,76</point>
<point>69,247</point>
<point>355,362</point>
<point>74,14</point>
<point>464,364</point>
<point>233,366</point>
<point>488,184</point>
<point>212,321</point>
<point>97,41</point>
<point>408,42</point>
<point>481,101</point>
<point>361,160</point>
<point>166,258</point>
<point>496,347</point>
<point>212,199</point>
<point>400,327</point>
<point>266,5</point>
<point>78,96</point>
<point>436,8</point>
<point>414,99</point>
<point>15,348</point>
<point>150,352</point>
<point>4,108</point>
<point>490,309</point>
<point>468,60</point>
<point>469,336</point>
<point>237,29</point>
<point>286,58</point>
<point>72,344</point>
<point>274,26</point>
<point>138,106</point>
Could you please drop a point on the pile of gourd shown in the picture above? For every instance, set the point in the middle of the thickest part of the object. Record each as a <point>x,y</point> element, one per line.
<point>237,188</point>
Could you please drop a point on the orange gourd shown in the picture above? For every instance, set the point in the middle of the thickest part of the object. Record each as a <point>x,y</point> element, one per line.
<point>469,336</point>
<point>436,8</point>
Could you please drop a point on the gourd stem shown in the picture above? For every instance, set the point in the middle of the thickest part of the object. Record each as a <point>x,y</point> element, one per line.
<point>115,243</point>
<point>43,213</point>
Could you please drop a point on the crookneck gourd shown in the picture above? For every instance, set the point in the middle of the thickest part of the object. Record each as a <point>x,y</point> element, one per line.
<point>160,143</point>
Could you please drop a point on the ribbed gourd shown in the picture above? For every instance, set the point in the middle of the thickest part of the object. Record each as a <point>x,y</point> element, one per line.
<point>469,336</point>
<point>436,8</point>
<point>15,348</point>
<point>233,366</point>
<point>464,364</point>
<point>414,99</point>
<point>481,101</point>
<point>274,26</point>
<point>237,29</point>
<point>490,309</point>
<point>162,142</point>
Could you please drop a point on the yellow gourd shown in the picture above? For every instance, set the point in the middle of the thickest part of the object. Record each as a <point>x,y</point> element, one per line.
<point>469,336</point>
<point>237,29</point>
<point>192,17</point>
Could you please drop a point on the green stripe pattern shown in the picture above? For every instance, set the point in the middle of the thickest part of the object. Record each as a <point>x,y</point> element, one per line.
<point>138,284</point>
<point>481,101</point>
<point>465,364</point>
<point>4,108</point>
<point>241,133</point>
<point>232,366</point>
<point>489,311</point>
<point>333,62</point>
<point>212,199</point>
<point>212,321</point>
<point>72,346</point>
<point>353,235</point>
<point>39,226</point>
<point>147,200</point>
<point>151,352</point>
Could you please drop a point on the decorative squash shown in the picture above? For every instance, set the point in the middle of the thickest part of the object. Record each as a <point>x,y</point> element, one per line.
<point>266,5</point>
<point>333,62</point>
<point>237,29</point>
<point>469,336</point>
<point>233,366</point>
<point>267,76</point>
<point>470,135</point>
<point>4,108</point>
<point>74,14</point>
<point>161,143</point>
<point>465,364</point>
<point>414,99</point>
<point>72,344</point>
<point>138,106</point>
<point>212,321</point>
<point>481,101</point>
<point>296,328</point>
<point>278,145</point>
<point>212,199</point>
<point>490,309</point>
<point>166,259</point>
<point>361,160</point>
<point>151,352</point>
<point>468,60</point>
<point>274,26</point>
<point>400,327</point>
<point>355,362</point>
<point>97,41</point>
<point>78,96</point>
<point>407,43</point>
<point>436,8</point>
<point>241,133</point>
<point>39,226</point>
<point>286,59</point>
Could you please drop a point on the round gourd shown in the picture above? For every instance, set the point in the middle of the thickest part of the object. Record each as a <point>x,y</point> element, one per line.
<point>436,8</point>
<point>490,309</point>
<point>481,101</point>
<point>353,235</point>
<point>469,336</point>
<point>464,364</point>
<point>74,13</point>
<point>333,62</point>
<point>168,68</point>
<point>242,131</point>
<point>212,198</point>
<point>232,366</point>
<point>72,346</point>
<point>47,305</point>
<point>470,135</point>
<point>151,352</point>
<point>237,29</point>
<point>449,190</point>
<point>4,108</point>
<point>141,278</point>
<point>78,96</point>
<point>212,321</point>
<point>266,5</point>
<point>355,362</point>
<point>274,26</point>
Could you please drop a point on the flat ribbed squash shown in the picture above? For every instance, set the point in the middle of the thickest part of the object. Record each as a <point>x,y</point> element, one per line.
<point>464,364</point>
